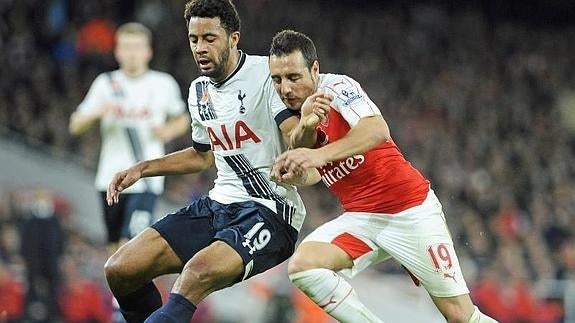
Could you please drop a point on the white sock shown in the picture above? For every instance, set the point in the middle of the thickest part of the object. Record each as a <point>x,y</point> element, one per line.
<point>478,317</point>
<point>333,294</point>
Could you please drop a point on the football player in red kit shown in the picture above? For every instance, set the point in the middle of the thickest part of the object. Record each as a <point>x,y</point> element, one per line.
<point>390,210</point>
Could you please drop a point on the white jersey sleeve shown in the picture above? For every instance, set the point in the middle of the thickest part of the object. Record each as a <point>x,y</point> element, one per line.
<point>99,94</point>
<point>349,99</point>
<point>200,136</point>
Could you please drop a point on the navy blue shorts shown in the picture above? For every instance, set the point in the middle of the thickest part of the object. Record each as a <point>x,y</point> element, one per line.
<point>259,235</point>
<point>131,215</point>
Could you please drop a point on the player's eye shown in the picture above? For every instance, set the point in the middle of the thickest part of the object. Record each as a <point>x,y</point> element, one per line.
<point>276,80</point>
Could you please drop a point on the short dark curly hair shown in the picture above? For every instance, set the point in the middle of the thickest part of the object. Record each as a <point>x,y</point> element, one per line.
<point>288,41</point>
<point>223,9</point>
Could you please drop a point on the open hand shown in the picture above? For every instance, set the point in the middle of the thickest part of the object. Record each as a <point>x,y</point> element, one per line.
<point>294,162</point>
<point>121,181</point>
<point>315,109</point>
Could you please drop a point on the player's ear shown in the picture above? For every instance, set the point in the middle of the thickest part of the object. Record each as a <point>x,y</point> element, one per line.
<point>315,69</point>
<point>234,39</point>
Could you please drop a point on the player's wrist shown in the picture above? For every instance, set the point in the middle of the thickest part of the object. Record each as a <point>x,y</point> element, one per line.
<point>143,168</point>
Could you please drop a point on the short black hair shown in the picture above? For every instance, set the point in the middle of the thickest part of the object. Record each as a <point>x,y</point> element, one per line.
<point>223,9</point>
<point>288,41</point>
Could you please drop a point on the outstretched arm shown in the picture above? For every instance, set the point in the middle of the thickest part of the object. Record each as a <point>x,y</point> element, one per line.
<point>174,128</point>
<point>81,121</point>
<point>181,162</point>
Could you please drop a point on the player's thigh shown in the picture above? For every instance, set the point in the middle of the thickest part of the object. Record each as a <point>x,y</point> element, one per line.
<point>261,237</point>
<point>343,244</point>
<point>146,256</point>
<point>419,239</point>
<point>215,267</point>
<point>188,230</point>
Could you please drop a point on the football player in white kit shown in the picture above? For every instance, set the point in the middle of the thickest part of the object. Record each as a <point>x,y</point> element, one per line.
<point>248,223</point>
<point>390,209</point>
<point>139,110</point>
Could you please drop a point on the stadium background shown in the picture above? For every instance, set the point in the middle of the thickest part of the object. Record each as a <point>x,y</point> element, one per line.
<point>478,94</point>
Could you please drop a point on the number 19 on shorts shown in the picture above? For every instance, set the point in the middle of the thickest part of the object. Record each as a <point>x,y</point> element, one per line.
<point>257,238</point>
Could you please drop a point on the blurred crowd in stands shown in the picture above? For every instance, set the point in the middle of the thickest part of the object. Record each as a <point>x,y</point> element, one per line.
<point>486,109</point>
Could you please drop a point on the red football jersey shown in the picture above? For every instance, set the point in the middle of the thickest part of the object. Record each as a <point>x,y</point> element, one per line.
<point>378,181</point>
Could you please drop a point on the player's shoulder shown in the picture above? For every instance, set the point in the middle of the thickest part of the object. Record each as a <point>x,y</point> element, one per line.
<point>257,59</point>
<point>337,82</point>
<point>160,76</point>
<point>257,64</point>
<point>345,89</point>
<point>199,80</point>
<point>106,76</point>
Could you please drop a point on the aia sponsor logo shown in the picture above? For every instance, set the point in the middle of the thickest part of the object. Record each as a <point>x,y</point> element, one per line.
<point>233,138</point>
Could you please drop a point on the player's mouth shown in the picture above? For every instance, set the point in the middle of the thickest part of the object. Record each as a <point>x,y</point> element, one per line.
<point>291,102</point>
<point>205,64</point>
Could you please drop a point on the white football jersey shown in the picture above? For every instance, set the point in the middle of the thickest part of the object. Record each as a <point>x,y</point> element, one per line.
<point>238,120</point>
<point>140,104</point>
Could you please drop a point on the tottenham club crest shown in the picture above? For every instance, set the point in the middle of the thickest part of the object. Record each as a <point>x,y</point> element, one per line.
<point>241,98</point>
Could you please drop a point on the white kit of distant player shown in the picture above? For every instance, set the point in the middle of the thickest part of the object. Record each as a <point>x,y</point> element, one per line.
<point>138,106</point>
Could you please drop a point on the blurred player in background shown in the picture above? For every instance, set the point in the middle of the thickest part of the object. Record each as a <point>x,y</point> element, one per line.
<point>390,209</point>
<point>139,110</point>
<point>248,223</point>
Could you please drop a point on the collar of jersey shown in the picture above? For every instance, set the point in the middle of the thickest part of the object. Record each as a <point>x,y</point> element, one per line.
<point>241,62</point>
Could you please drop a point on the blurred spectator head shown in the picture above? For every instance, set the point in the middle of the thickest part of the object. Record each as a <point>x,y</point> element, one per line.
<point>96,37</point>
<point>133,47</point>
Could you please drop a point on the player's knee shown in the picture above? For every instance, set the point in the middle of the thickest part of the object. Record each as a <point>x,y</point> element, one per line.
<point>115,272</point>
<point>314,255</point>
<point>210,276</point>
<point>458,317</point>
<point>458,309</point>
<point>299,262</point>
<point>457,314</point>
<point>479,317</point>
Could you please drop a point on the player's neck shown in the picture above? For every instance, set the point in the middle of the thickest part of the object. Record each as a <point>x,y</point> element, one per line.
<point>233,63</point>
<point>135,73</point>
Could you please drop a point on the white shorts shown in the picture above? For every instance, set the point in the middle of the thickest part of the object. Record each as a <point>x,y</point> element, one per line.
<point>418,238</point>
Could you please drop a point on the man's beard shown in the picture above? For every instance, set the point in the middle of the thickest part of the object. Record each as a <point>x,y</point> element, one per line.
<point>217,73</point>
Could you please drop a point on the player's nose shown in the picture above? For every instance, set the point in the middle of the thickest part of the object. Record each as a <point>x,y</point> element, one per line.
<point>285,88</point>
<point>200,47</point>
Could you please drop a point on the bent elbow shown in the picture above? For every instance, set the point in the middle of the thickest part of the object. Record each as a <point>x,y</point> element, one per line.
<point>381,134</point>
<point>74,129</point>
